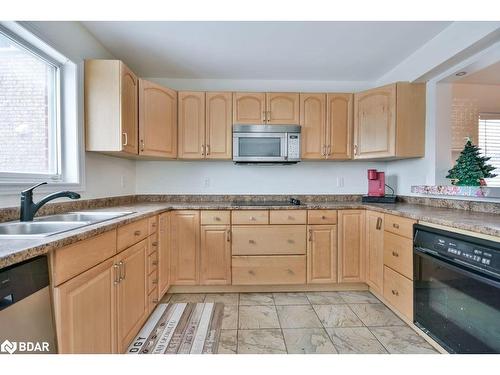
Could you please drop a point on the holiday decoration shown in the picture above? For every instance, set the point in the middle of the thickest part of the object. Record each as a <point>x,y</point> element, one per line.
<point>471,168</point>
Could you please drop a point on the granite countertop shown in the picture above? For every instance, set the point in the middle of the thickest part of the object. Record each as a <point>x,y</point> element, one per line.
<point>15,251</point>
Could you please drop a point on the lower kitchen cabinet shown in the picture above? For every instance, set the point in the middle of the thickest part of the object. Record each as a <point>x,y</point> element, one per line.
<point>215,255</point>
<point>322,254</point>
<point>375,250</point>
<point>85,311</point>
<point>185,226</point>
<point>164,247</point>
<point>351,245</point>
<point>269,270</point>
<point>398,291</point>
<point>132,300</point>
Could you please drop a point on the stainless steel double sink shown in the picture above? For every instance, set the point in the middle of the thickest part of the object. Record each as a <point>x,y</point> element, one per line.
<point>55,224</point>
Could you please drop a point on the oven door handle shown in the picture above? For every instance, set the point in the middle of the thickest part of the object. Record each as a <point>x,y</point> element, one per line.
<point>459,269</point>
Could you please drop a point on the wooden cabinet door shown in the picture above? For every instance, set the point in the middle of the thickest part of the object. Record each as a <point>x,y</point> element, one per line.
<point>322,254</point>
<point>351,245</point>
<point>375,250</point>
<point>282,108</point>
<point>129,108</point>
<point>164,245</point>
<point>375,123</point>
<point>191,129</point>
<point>218,136</point>
<point>85,314</point>
<point>249,108</point>
<point>132,300</point>
<point>157,120</point>
<point>313,124</point>
<point>339,126</point>
<point>185,254</point>
<point>215,255</point>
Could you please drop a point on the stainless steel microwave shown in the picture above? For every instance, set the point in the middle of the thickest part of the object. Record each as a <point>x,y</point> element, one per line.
<point>266,144</point>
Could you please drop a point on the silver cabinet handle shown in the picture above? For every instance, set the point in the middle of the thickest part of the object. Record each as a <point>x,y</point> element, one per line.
<point>395,254</point>
<point>203,150</point>
<point>208,149</point>
<point>310,235</point>
<point>122,270</point>
<point>116,273</point>
<point>268,116</point>
<point>142,144</point>
<point>329,150</point>
<point>379,223</point>
<point>228,235</point>
<point>264,116</point>
<point>355,149</point>
<point>125,136</point>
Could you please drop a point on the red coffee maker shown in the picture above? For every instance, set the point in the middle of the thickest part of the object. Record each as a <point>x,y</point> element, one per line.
<point>376,183</point>
<point>376,188</point>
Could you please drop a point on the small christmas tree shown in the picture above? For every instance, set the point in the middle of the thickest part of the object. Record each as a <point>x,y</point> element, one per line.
<point>470,168</point>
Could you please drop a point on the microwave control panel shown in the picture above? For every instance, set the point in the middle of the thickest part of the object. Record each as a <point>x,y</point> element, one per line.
<point>293,146</point>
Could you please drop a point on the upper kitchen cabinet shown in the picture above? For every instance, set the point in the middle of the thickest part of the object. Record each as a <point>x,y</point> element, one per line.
<point>313,124</point>
<point>339,125</point>
<point>389,122</point>
<point>326,121</point>
<point>266,108</point>
<point>249,108</point>
<point>191,139</point>
<point>282,108</point>
<point>157,120</point>
<point>111,107</point>
<point>218,132</point>
<point>205,125</point>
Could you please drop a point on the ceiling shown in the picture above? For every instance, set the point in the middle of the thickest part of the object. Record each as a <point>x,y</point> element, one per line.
<point>336,51</point>
<point>487,76</point>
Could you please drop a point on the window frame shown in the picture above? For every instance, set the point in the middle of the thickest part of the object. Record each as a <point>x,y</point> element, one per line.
<point>485,116</point>
<point>68,112</point>
<point>54,117</point>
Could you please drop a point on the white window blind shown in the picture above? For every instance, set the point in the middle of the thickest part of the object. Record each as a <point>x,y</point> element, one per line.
<point>489,142</point>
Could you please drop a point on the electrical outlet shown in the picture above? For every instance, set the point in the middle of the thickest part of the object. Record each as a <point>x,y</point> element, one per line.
<point>122,181</point>
<point>206,182</point>
<point>340,181</point>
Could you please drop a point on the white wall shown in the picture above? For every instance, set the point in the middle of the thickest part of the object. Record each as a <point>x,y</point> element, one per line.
<point>103,174</point>
<point>224,177</point>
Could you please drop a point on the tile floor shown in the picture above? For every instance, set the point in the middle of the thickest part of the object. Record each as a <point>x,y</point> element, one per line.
<point>311,322</point>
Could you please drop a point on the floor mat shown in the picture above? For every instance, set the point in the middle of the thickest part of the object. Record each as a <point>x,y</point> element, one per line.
<point>180,328</point>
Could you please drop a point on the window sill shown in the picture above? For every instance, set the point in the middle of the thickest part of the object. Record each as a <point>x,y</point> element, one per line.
<point>14,188</point>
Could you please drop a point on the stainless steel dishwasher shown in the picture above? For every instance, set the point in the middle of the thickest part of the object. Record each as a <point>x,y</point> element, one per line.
<point>26,320</point>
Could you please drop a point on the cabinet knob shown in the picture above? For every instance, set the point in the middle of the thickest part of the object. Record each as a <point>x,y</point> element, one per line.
<point>154,262</point>
<point>395,292</point>
<point>251,272</point>
<point>395,225</point>
<point>155,281</point>
<point>217,218</point>
<point>290,240</point>
<point>154,243</point>
<point>290,272</point>
<point>251,241</point>
<point>137,233</point>
<point>155,300</point>
<point>252,218</point>
<point>395,254</point>
<point>323,217</point>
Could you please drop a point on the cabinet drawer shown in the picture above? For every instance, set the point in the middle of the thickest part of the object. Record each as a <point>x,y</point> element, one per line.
<point>215,217</point>
<point>152,281</point>
<point>322,217</point>
<point>398,254</point>
<point>398,290</point>
<point>132,233</point>
<point>399,225</point>
<point>287,217</point>
<point>269,240</point>
<point>152,243</point>
<point>153,225</point>
<point>74,259</point>
<point>250,217</point>
<point>152,262</point>
<point>270,270</point>
<point>153,299</point>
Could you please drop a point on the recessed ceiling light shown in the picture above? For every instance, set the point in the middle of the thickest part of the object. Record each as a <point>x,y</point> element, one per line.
<point>460,74</point>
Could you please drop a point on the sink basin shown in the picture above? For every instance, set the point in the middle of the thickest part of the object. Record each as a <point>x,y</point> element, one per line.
<point>23,230</point>
<point>92,217</point>
<point>49,225</point>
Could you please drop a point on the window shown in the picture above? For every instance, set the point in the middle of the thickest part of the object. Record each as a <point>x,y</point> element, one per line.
<point>489,142</point>
<point>29,129</point>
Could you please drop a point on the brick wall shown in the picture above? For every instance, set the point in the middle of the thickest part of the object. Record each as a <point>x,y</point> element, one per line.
<point>23,112</point>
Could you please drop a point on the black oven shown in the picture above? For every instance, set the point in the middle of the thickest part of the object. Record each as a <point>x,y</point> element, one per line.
<point>457,290</point>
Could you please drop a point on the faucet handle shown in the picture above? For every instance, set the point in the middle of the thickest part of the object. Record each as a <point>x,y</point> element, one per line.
<point>30,190</point>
